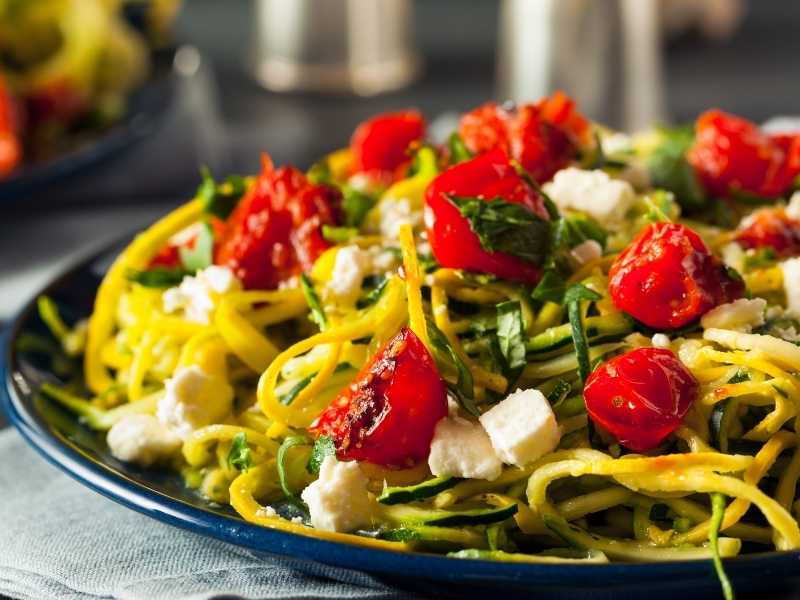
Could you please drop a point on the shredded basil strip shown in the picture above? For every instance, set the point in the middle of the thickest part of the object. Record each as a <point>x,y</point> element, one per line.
<point>280,460</point>
<point>355,205</point>
<point>572,298</point>
<point>298,387</point>
<point>220,199</point>
<point>323,447</point>
<point>669,169</point>
<point>560,391</point>
<point>200,255</point>
<point>338,235</point>
<point>158,277</point>
<point>374,294</point>
<point>240,456</point>
<point>511,335</point>
<point>464,388</point>
<point>551,287</point>
<point>508,227</point>
<point>717,513</point>
<point>314,304</point>
<point>458,149</point>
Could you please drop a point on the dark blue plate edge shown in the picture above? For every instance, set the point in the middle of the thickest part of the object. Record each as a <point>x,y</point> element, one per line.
<point>116,487</point>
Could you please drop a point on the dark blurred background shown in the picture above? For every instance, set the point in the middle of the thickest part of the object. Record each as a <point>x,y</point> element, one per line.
<point>734,54</point>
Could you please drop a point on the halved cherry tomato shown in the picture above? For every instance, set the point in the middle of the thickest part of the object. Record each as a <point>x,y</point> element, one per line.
<point>387,415</point>
<point>10,146</point>
<point>379,145</point>
<point>667,278</point>
<point>452,240</point>
<point>275,232</point>
<point>732,155</point>
<point>771,228</point>
<point>640,397</point>
<point>544,137</point>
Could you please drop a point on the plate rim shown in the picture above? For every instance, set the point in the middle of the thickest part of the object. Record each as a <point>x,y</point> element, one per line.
<point>107,481</point>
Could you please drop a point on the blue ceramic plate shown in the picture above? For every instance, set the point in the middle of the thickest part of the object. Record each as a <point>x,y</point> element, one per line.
<point>145,107</point>
<point>30,358</point>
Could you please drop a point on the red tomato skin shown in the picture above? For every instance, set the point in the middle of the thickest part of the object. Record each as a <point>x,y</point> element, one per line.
<point>732,155</point>
<point>543,137</point>
<point>640,397</point>
<point>452,240</point>
<point>275,231</point>
<point>667,278</point>
<point>379,145</point>
<point>10,146</point>
<point>388,414</point>
<point>771,228</point>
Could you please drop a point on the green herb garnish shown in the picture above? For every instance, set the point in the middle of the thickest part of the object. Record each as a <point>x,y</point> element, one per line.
<point>240,456</point>
<point>717,513</point>
<point>572,298</point>
<point>200,255</point>
<point>314,304</point>
<point>158,277</point>
<point>444,353</point>
<point>323,447</point>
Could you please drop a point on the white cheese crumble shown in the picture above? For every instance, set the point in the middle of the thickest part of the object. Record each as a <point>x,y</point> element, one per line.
<point>593,192</point>
<point>266,511</point>
<point>586,252</point>
<point>733,255</point>
<point>297,520</point>
<point>338,500</point>
<point>352,264</point>
<point>193,399</point>
<point>522,427</point>
<point>791,285</point>
<point>461,448</point>
<point>793,208</point>
<point>141,439</point>
<point>740,315</point>
<point>394,213</point>
<point>198,296</point>
<point>660,340</point>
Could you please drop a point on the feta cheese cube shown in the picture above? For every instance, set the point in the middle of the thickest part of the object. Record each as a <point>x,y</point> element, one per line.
<point>593,192</point>
<point>660,340</point>
<point>338,500</point>
<point>394,213</point>
<point>352,264</point>
<point>461,448</point>
<point>522,427</point>
<point>791,285</point>
<point>198,296</point>
<point>141,439</point>
<point>740,315</point>
<point>193,399</point>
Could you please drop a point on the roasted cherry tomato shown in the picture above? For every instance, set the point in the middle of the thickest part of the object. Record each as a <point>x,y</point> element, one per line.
<point>387,415</point>
<point>667,278</point>
<point>275,232</point>
<point>452,240</point>
<point>771,228</point>
<point>380,145</point>
<point>732,155</point>
<point>544,137</point>
<point>640,397</point>
<point>10,147</point>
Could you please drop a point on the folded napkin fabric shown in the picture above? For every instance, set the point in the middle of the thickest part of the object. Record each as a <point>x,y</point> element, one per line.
<point>59,540</point>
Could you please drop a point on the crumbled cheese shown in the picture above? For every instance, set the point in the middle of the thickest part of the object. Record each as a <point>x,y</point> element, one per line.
<point>617,143</point>
<point>198,296</point>
<point>593,192</point>
<point>383,260</point>
<point>193,399</point>
<point>522,427</point>
<point>298,520</point>
<point>352,264</point>
<point>733,255</point>
<point>141,439</point>
<point>394,213</point>
<point>461,448</point>
<point>791,285</point>
<point>740,315</point>
<point>266,511</point>
<point>586,251</point>
<point>793,208</point>
<point>338,500</point>
<point>789,333</point>
<point>661,340</point>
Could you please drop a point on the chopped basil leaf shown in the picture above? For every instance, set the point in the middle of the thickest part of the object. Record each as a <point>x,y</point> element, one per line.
<point>572,298</point>
<point>511,335</point>
<point>670,170</point>
<point>717,514</point>
<point>660,206</point>
<point>355,205</point>
<point>320,173</point>
<point>574,229</point>
<point>323,447</point>
<point>298,387</point>
<point>314,305</point>
<point>220,199</point>
<point>158,277</point>
<point>280,465</point>
<point>598,159</point>
<point>507,227</point>
<point>200,255</point>
<point>374,294</point>
<point>444,353</point>
<point>458,150</point>
<point>240,456</point>
<point>551,287</point>
<point>338,235</point>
